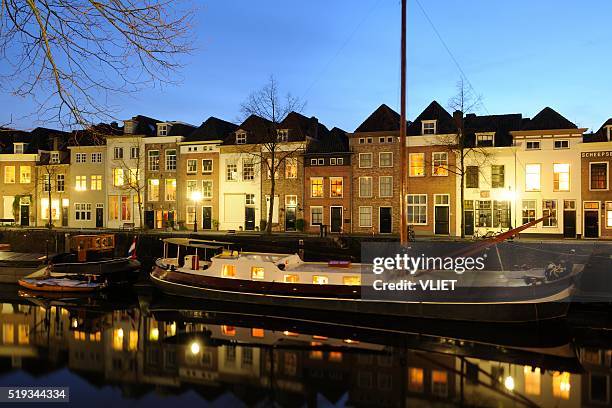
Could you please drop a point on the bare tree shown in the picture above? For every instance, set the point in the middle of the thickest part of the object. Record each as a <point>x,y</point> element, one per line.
<point>72,56</point>
<point>266,103</point>
<point>463,102</point>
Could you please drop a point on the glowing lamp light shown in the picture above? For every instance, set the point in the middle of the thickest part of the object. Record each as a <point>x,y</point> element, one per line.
<point>196,196</point>
<point>154,334</point>
<point>65,202</point>
<point>120,333</point>
<point>507,195</point>
<point>195,348</point>
<point>509,383</point>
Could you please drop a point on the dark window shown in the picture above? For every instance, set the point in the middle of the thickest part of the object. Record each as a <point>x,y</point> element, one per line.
<point>497,176</point>
<point>471,177</point>
<point>484,214</point>
<point>599,176</point>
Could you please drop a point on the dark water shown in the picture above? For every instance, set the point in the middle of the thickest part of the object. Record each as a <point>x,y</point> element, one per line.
<point>148,350</point>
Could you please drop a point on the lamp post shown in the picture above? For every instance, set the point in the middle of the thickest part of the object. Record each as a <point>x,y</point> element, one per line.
<point>196,196</point>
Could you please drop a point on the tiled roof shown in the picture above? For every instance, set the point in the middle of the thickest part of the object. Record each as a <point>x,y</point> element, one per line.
<point>548,119</point>
<point>257,128</point>
<point>301,127</point>
<point>335,141</point>
<point>600,136</point>
<point>382,119</point>
<point>212,129</point>
<point>444,121</point>
<point>181,129</point>
<point>502,125</point>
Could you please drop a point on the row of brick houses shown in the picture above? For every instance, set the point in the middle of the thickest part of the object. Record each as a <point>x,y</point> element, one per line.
<point>164,175</point>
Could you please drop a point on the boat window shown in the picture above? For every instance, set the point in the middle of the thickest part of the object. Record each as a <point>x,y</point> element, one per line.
<point>257,332</point>
<point>320,279</point>
<point>292,278</point>
<point>228,330</point>
<point>351,280</point>
<point>228,271</point>
<point>257,272</point>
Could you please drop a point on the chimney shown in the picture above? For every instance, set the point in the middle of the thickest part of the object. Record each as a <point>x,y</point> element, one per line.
<point>457,117</point>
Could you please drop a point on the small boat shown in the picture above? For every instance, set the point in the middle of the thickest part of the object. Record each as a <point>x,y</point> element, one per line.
<point>61,285</point>
<point>16,265</point>
<point>537,292</point>
<point>93,255</point>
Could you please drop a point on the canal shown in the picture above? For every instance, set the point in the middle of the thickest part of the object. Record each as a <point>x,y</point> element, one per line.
<point>140,348</point>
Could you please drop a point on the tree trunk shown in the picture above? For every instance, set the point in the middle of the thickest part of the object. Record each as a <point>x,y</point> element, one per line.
<point>272,189</point>
<point>50,226</point>
<point>462,195</point>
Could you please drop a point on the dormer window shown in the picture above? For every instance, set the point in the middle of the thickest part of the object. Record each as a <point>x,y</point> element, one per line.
<point>241,138</point>
<point>128,127</point>
<point>283,135</point>
<point>162,129</point>
<point>55,158</point>
<point>485,139</point>
<point>561,144</point>
<point>428,127</point>
<point>19,148</point>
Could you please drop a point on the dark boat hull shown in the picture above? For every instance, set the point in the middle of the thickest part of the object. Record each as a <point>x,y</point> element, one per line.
<point>117,269</point>
<point>517,312</point>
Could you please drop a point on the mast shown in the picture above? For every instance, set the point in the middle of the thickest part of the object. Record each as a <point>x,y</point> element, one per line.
<point>403,191</point>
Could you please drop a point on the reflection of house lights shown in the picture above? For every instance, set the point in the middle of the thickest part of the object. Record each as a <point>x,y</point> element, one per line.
<point>509,383</point>
<point>75,323</point>
<point>195,348</point>
<point>154,334</point>
<point>120,333</point>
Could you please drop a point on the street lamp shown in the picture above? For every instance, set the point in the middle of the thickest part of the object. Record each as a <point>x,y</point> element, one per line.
<point>196,196</point>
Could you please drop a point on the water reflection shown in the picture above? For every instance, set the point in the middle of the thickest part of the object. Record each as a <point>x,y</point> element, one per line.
<point>154,353</point>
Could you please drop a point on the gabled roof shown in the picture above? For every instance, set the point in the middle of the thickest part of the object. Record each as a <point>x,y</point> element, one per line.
<point>212,129</point>
<point>502,125</point>
<point>382,119</point>
<point>335,141</point>
<point>301,127</point>
<point>600,136</point>
<point>548,119</point>
<point>38,139</point>
<point>444,121</point>
<point>256,127</point>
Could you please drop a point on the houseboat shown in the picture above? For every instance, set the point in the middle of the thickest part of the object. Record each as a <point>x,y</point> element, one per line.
<point>521,294</point>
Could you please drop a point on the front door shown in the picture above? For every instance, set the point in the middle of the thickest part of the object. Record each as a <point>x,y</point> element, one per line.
<point>441,217</point>
<point>99,217</point>
<point>25,215</point>
<point>64,216</point>
<point>569,219</point>
<point>206,218</point>
<point>336,219</point>
<point>249,219</point>
<point>385,219</point>
<point>591,224</point>
<point>468,217</point>
<point>290,216</point>
<point>149,218</point>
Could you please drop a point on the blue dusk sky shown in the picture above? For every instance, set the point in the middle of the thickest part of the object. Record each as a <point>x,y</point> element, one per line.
<point>342,58</point>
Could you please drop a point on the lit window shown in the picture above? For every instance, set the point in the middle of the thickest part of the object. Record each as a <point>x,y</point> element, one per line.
<point>533,145</point>
<point>417,164</point>
<point>352,280</point>
<point>385,186</point>
<point>291,278</point>
<point>335,186</point>
<point>291,168</point>
<point>532,177</point>
<point>118,339</point>
<point>439,164</point>
<point>228,330</point>
<point>118,178</point>
<point>529,211</point>
<point>415,379</point>
<point>335,356</point>
<point>365,187</point>
<point>561,177</point>
<point>256,332</point>
<point>561,144</point>
<point>385,159</point>
<point>291,200</point>
<point>25,174</point>
<point>320,280</point>
<point>257,272</point>
<point>365,160</point>
<point>228,271</point>
<point>81,183</point>
<point>609,214</point>
<point>439,383</point>
<point>170,190</point>
<point>133,341</point>
<point>9,174</point>
<point>417,209</point>
<point>428,127</point>
<point>192,166</point>
<point>153,190</point>
<point>365,217</point>
<point>126,208</point>
<point>316,187</point>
